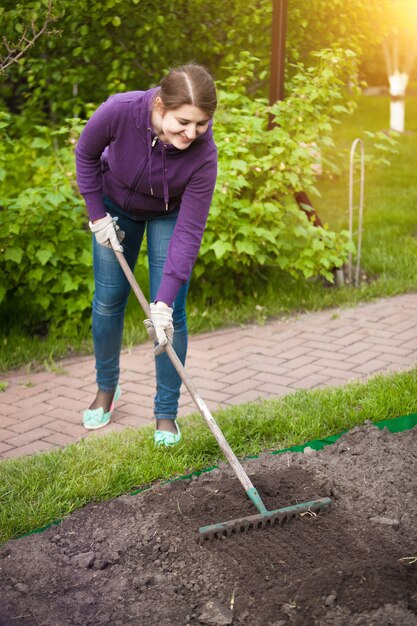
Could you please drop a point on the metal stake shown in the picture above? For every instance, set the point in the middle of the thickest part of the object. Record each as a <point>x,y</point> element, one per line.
<point>360,211</point>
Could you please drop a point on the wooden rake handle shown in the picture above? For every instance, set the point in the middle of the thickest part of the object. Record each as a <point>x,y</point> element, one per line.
<point>201,405</point>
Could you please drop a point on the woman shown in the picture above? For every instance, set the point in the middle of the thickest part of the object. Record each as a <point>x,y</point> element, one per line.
<point>147,160</point>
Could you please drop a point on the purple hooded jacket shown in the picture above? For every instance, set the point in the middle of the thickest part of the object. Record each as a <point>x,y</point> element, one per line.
<point>119,155</point>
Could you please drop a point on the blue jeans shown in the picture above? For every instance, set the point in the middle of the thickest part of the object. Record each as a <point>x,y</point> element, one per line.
<point>110,298</point>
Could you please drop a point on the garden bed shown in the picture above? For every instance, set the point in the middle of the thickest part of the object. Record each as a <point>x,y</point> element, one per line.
<point>136,560</point>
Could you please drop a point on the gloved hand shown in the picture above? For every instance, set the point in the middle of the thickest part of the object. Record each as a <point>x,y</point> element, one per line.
<point>161,316</point>
<point>107,232</point>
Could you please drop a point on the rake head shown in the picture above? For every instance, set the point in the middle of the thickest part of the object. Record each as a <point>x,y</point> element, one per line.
<point>261,520</point>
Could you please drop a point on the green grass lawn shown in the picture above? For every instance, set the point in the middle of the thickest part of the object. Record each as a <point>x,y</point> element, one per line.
<point>37,490</point>
<point>389,250</point>
<point>390,207</point>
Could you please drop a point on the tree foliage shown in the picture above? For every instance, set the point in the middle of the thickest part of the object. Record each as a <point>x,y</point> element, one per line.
<point>26,35</point>
<point>98,48</point>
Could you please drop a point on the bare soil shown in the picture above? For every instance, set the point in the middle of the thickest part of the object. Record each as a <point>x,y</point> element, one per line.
<point>135,560</point>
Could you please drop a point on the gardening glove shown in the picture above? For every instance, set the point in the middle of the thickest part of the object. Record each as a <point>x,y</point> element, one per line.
<point>161,317</point>
<point>107,232</point>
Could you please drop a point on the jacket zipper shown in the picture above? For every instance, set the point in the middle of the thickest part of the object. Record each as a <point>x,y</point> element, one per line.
<point>154,140</point>
<point>137,178</point>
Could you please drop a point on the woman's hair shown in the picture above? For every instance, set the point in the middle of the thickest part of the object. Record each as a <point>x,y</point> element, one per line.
<point>189,84</point>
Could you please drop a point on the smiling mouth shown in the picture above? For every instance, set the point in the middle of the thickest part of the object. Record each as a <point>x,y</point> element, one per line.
<point>185,139</point>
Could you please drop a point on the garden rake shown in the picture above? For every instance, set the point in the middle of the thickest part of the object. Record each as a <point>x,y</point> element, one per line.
<point>263,518</point>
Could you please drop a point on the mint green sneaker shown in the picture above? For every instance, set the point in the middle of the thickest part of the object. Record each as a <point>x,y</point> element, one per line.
<point>165,438</point>
<point>97,418</point>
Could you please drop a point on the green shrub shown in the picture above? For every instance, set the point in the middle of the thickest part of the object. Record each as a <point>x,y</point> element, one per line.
<point>255,221</point>
<point>254,224</point>
<point>45,258</point>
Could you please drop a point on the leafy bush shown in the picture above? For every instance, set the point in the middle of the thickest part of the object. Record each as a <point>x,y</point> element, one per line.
<point>45,260</point>
<point>254,224</point>
<point>255,221</point>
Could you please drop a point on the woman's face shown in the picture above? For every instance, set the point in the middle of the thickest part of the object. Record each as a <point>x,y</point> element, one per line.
<point>180,127</point>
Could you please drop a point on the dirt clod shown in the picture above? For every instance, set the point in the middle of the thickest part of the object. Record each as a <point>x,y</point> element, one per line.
<point>216,614</point>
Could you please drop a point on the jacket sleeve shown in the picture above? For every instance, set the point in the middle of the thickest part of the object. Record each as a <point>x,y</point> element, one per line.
<point>188,232</point>
<point>95,137</point>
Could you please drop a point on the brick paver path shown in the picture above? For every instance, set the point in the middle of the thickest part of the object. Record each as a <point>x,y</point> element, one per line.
<point>40,411</point>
